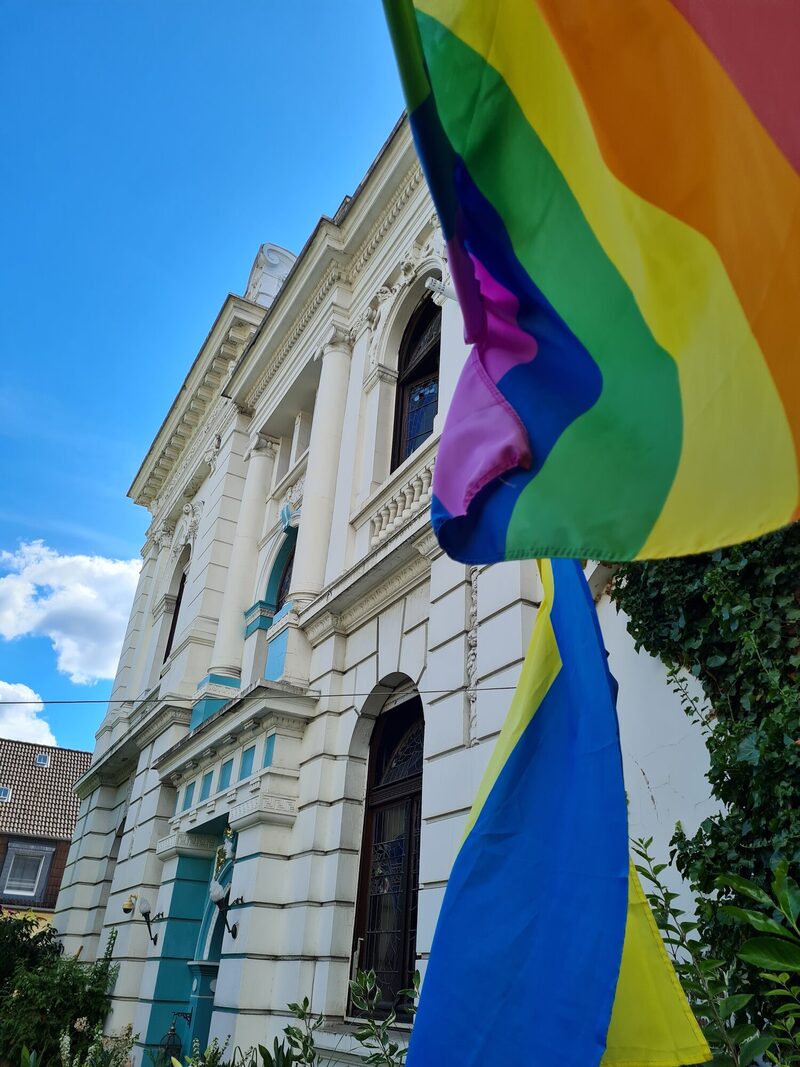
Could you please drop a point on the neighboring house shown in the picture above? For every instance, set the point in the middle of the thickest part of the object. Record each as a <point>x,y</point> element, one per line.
<point>38,809</point>
<point>309,690</point>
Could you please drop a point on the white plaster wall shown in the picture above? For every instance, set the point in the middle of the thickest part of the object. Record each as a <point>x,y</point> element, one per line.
<point>665,760</point>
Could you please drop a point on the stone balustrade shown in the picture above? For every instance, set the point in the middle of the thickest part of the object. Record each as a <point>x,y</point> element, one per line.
<point>405,501</point>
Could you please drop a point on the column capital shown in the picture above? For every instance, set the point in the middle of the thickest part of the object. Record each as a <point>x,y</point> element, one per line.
<point>337,339</point>
<point>263,446</point>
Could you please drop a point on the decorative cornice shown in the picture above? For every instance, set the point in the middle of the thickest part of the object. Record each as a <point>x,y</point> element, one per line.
<point>185,478</point>
<point>408,186</point>
<point>324,624</point>
<point>334,275</point>
<point>174,447</point>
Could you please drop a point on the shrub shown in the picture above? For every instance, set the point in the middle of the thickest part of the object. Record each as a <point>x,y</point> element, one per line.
<point>732,620</point>
<point>47,994</point>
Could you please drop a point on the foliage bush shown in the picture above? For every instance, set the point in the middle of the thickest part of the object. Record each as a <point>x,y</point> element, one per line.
<point>25,941</point>
<point>45,993</point>
<point>732,620</point>
<point>775,954</point>
<point>373,1033</point>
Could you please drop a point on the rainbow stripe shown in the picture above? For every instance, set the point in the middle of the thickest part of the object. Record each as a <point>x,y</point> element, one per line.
<point>545,948</point>
<point>618,186</point>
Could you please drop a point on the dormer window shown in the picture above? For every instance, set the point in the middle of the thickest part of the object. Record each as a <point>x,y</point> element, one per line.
<point>5,793</point>
<point>42,759</point>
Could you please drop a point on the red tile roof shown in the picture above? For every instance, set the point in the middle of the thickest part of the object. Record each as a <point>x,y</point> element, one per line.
<point>42,802</point>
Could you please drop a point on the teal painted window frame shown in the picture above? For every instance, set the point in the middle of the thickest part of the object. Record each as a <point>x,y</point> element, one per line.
<point>225,772</point>
<point>205,785</point>
<point>275,575</point>
<point>269,750</point>
<point>188,796</point>
<point>246,763</point>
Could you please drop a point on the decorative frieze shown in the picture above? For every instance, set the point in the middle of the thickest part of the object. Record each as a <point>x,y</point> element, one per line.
<point>264,808</point>
<point>408,186</point>
<point>472,659</point>
<point>334,275</point>
<point>184,844</point>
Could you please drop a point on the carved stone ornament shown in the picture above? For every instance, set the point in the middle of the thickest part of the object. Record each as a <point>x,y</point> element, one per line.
<point>472,659</point>
<point>186,530</point>
<point>263,446</point>
<point>294,494</point>
<point>338,338</point>
<point>163,535</point>
<point>211,454</point>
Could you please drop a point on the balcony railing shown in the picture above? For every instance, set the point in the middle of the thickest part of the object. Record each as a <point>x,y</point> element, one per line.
<point>405,494</point>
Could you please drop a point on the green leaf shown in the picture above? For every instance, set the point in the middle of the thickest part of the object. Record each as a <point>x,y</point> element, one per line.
<point>744,885</point>
<point>743,1032</point>
<point>736,1002</point>
<point>787,891</point>
<point>748,751</point>
<point>754,1048</point>
<point>771,953</point>
<point>759,922</point>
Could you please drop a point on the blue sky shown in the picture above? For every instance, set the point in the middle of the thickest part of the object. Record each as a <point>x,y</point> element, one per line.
<point>149,147</point>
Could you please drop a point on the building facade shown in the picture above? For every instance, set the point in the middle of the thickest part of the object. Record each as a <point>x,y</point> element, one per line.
<point>38,811</point>
<point>309,690</point>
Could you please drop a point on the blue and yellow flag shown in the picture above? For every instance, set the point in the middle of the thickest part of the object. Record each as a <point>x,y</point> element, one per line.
<point>546,949</point>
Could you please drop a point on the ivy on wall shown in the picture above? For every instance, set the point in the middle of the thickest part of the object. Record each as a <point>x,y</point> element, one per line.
<point>731,619</point>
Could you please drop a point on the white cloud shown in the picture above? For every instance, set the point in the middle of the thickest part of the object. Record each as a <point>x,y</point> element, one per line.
<point>81,603</point>
<point>21,722</point>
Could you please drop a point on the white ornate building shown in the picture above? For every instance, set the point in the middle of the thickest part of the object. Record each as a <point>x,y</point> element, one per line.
<point>309,690</point>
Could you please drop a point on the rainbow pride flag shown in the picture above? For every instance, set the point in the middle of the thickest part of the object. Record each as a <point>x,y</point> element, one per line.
<point>618,184</point>
<point>546,950</point>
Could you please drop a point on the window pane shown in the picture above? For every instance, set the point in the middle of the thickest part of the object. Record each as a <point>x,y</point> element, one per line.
<point>188,796</point>
<point>205,785</point>
<point>246,768</point>
<point>421,407</point>
<point>225,774</point>
<point>24,874</point>
<point>386,905</point>
<point>269,750</point>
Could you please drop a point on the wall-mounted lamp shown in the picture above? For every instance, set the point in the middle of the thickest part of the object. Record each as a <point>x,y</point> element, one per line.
<point>146,913</point>
<point>129,904</point>
<point>219,896</point>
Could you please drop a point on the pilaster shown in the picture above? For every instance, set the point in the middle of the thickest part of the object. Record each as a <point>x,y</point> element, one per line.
<point>323,466</point>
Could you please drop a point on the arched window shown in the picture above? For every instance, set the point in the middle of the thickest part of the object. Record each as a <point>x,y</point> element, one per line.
<point>173,626</point>
<point>418,381</point>
<point>284,583</point>
<point>386,910</point>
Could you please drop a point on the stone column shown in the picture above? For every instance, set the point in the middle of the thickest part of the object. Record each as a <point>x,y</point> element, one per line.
<point>313,534</point>
<point>226,658</point>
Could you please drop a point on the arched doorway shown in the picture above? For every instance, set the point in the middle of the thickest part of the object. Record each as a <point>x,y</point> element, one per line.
<point>388,887</point>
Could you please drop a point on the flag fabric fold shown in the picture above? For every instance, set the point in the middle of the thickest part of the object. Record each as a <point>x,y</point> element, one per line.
<point>545,946</point>
<point>618,189</point>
